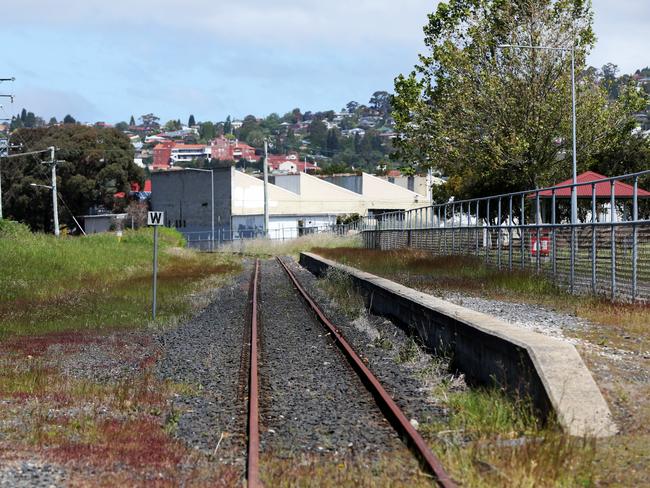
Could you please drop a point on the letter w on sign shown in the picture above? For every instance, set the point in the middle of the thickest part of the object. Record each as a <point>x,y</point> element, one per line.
<point>155,218</point>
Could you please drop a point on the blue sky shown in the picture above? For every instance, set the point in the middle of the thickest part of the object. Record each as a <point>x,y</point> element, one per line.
<point>102,60</point>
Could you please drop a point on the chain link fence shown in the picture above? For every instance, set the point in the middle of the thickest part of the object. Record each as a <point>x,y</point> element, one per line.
<point>206,241</point>
<point>606,251</point>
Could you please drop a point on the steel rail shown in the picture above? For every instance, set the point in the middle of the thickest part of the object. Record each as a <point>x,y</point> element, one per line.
<point>253,464</point>
<point>383,399</point>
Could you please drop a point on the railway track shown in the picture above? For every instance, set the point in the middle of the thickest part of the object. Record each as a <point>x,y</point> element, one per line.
<point>384,402</point>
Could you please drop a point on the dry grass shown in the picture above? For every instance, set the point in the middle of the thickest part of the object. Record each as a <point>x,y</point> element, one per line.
<point>291,247</point>
<point>394,469</point>
<point>114,430</point>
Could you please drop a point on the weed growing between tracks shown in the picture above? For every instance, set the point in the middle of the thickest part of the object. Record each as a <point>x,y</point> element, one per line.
<point>395,469</point>
<point>77,358</point>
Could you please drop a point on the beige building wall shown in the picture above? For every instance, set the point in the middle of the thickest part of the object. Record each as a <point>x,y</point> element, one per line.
<point>318,197</point>
<point>381,194</point>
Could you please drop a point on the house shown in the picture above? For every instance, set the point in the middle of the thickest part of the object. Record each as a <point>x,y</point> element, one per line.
<point>226,149</point>
<point>289,163</point>
<point>170,153</point>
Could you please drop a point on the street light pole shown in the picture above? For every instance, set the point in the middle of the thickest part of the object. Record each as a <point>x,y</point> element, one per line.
<point>574,193</point>
<point>266,190</point>
<point>574,189</point>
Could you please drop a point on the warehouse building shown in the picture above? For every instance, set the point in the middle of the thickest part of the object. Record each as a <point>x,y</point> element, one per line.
<point>298,203</point>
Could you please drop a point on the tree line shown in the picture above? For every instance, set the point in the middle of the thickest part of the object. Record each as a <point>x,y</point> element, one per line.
<point>495,118</point>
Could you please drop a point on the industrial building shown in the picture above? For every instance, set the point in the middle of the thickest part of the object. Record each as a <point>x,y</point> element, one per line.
<point>298,203</point>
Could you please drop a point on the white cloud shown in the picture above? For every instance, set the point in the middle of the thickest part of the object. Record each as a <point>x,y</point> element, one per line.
<point>621,28</point>
<point>335,22</point>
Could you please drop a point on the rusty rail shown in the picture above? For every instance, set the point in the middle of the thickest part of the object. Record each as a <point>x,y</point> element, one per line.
<point>253,465</point>
<point>383,399</point>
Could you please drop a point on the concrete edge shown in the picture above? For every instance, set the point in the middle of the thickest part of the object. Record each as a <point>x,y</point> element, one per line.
<point>486,348</point>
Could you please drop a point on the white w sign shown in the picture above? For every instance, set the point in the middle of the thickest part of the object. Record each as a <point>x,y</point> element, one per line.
<point>155,218</point>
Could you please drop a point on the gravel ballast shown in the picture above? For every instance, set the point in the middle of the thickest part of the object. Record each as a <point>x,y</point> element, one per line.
<point>406,371</point>
<point>311,399</point>
<point>205,353</point>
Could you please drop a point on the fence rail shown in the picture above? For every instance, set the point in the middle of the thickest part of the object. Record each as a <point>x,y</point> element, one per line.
<point>605,252</point>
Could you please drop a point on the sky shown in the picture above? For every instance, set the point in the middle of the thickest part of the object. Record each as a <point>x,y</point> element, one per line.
<point>108,60</point>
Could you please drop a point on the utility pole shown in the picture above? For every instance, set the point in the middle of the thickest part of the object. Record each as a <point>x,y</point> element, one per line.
<point>55,203</point>
<point>7,148</point>
<point>266,189</point>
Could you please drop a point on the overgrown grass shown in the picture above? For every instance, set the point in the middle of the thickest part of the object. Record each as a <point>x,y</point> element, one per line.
<point>51,285</point>
<point>291,247</point>
<point>493,440</point>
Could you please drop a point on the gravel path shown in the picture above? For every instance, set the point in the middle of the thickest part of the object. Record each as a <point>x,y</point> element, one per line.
<point>206,354</point>
<point>311,400</point>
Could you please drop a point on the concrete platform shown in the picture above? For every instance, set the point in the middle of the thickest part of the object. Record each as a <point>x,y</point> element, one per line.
<point>489,350</point>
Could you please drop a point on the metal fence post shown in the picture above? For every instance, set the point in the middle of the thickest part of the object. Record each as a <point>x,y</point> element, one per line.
<point>522,237</point>
<point>612,219</point>
<point>476,227</point>
<point>510,233</point>
<point>488,240</point>
<point>594,230</point>
<point>453,232</point>
<point>573,245</point>
<point>635,217</point>
<point>499,233</point>
<point>539,234</point>
<point>469,227</point>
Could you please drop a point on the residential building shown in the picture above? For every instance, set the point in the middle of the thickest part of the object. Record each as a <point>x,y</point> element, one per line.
<point>290,163</point>
<point>170,153</point>
<point>232,150</point>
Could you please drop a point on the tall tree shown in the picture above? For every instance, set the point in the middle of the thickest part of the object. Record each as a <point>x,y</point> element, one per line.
<point>172,125</point>
<point>69,119</point>
<point>97,163</point>
<point>132,121</point>
<point>499,120</point>
<point>227,126</point>
<point>380,101</point>
<point>191,122</point>
<point>207,131</point>
<point>318,134</point>
<point>150,121</point>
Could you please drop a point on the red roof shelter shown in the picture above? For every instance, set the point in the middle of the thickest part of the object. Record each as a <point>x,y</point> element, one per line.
<point>603,189</point>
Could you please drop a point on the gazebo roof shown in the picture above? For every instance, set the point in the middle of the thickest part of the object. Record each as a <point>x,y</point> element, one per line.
<point>603,189</point>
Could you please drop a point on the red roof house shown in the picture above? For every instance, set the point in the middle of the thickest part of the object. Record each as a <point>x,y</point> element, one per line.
<point>603,189</point>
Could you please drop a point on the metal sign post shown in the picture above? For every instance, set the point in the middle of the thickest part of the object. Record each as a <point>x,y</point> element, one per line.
<point>155,219</point>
